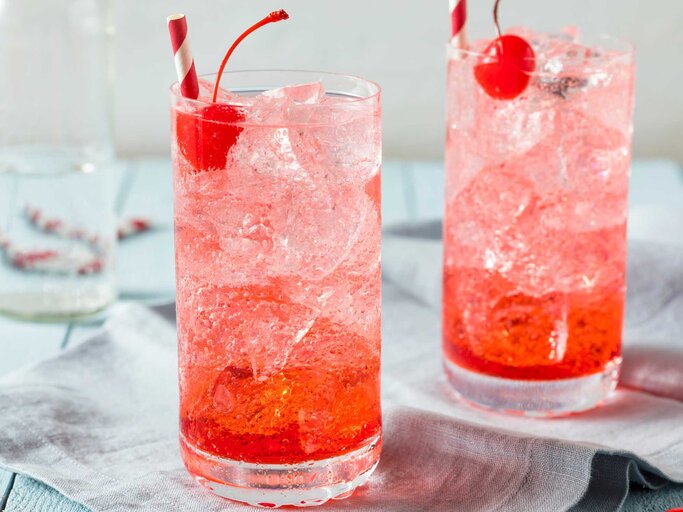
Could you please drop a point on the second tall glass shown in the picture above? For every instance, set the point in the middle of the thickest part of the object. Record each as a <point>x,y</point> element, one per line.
<point>277,222</point>
<point>535,228</point>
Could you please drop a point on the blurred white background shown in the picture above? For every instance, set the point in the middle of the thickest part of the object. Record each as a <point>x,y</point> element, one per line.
<point>398,43</point>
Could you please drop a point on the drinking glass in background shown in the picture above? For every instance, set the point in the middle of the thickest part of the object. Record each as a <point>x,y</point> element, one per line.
<point>277,237</point>
<point>57,225</point>
<point>535,227</point>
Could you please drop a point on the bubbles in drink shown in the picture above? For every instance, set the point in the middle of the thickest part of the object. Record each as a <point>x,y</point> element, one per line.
<point>536,210</point>
<point>278,281</point>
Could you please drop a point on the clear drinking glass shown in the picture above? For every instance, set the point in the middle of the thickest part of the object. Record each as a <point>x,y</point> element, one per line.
<point>277,236</point>
<point>57,226</point>
<point>535,228</point>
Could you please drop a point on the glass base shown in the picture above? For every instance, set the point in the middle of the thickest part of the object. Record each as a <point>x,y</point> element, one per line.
<point>304,484</point>
<point>535,398</point>
<point>56,306</point>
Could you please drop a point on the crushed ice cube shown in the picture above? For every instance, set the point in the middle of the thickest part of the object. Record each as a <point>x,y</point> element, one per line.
<point>206,92</point>
<point>560,67</point>
<point>562,86</point>
<point>562,61</point>
<point>554,66</point>
<point>306,94</point>
<point>571,32</point>
<point>291,104</point>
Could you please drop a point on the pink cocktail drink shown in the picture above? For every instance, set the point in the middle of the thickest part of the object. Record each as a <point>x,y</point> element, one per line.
<point>535,227</point>
<point>277,219</point>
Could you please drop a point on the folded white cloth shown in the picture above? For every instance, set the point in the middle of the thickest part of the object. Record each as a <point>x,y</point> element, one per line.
<point>98,423</point>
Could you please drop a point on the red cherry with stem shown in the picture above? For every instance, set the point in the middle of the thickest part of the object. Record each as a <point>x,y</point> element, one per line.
<point>273,17</point>
<point>206,136</point>
<point>505,69</point>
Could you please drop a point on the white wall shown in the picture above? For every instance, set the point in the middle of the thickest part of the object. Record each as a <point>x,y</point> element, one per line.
<point>398,43</point>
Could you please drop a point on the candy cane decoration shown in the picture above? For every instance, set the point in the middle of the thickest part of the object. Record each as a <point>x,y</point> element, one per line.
<point>77,261</point>
<point>134,226</point>
<point>60,228</point>
<point>89,258</point>
<point>127,227</point>
<point>458,11</point>
<point>184,63</point>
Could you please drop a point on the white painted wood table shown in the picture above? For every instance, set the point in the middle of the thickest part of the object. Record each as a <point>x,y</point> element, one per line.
<point>411,191</point>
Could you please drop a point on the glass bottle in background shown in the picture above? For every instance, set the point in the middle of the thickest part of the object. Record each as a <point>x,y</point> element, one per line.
<point>535,227</point>
<point>57,223</point>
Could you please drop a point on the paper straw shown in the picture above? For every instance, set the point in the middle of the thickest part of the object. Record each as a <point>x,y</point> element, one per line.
<point>184,63</point>
<point>458,12</point>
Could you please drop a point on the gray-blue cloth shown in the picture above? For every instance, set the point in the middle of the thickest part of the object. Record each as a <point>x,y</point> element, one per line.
<point>32,496</point>
<point>29,495</point>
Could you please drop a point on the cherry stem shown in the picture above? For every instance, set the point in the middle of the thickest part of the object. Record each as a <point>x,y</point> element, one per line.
<point>495,18</point>
<point>273,17</point>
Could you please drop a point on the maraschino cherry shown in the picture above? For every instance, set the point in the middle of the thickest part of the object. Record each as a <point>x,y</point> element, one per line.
<point>206,136</point>
<point>505,69</point>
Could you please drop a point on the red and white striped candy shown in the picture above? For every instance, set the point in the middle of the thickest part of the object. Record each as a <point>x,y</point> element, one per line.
<point>84,259</point>
<point>59,227</point>
<point>77,261</point>
<point>184,63</point>
<point>458,11</point>
<point>130,227</point>
<point>126,228</point>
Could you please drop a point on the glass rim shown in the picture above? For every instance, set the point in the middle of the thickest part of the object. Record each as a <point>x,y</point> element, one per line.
<point>374,87</point>
<point>621,48</point>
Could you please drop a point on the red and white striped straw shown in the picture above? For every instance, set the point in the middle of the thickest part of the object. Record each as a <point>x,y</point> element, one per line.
<point>184,63</point>
<point>458,11</point>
